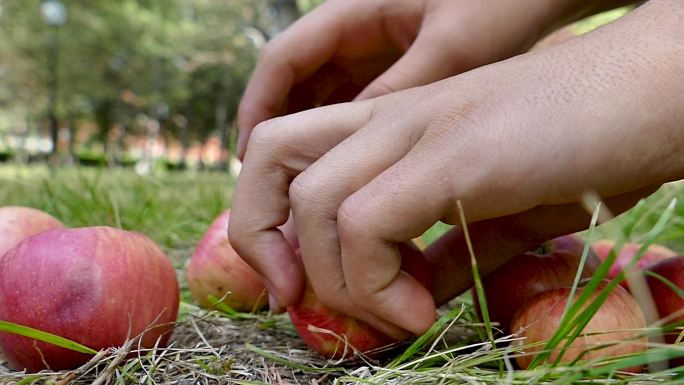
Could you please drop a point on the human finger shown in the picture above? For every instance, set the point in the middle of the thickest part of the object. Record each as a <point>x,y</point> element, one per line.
<point>282,62</point>
<point>427,60</point>
<point>497,240</point>
<point>316,195</point>
<point>283,147</point>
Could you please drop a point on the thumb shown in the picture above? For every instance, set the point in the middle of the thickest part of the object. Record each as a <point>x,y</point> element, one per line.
<point>430,58</point>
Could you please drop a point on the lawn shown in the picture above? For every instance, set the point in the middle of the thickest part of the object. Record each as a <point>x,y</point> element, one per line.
<point>174,209</point>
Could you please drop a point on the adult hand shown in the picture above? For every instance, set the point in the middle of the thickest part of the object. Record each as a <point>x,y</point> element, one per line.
<point>513,141</point>
<point>347,49</point>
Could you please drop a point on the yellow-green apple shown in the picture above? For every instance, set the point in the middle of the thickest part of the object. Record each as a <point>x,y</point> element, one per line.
<point>17,223</point>
<point>653,254</point>
<point>615,329</point>
<point>336,335</point>
<point>553,265</point>
<point>98,286</point>
<point>215,268</point>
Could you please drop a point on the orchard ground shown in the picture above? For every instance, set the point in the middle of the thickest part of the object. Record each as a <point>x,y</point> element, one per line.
<point>214,347</point>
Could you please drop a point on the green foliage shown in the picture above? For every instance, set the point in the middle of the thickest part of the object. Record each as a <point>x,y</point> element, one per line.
<point>120,59</point>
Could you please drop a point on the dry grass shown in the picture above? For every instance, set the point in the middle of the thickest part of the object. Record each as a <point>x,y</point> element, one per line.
<point>211,348</point>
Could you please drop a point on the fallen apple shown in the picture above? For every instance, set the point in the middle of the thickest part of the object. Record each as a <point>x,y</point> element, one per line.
<point>653,254</point>
<point>97,286</point>
<point>216,269</point>
<point>17,223</point>
<point>553,265</point>
<point>669,303</point>
<point>335,335</point>
<point>616,328</point>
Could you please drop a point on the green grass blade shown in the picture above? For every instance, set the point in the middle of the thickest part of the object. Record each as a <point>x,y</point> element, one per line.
<point>479,288</point>
<point>667,282</point>
<point>222,307</point>
<point>423,340</point>
<point>583,259</point>
<point>578,316</point>
<point>45,337</point>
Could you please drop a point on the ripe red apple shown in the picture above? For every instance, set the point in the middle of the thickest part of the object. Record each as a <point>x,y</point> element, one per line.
<point>619,320</point>
<point>668,303</point>
<point>339,335</point>
<point>216,269</point>
<point>17,223</point>
<point>96,286</point>
<point>552,266</point>
<point>653,254</point>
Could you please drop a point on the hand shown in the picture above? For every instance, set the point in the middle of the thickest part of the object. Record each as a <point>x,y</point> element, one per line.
<point>517,142</point>
<point>348,49</point>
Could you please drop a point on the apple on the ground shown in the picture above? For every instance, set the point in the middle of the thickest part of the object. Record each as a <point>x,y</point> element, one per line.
<point>18,223</point>
<point>97,286</point>
<point>615,329</point>
<point>215,268</point>
<point>335,335</point>
<point>653,254</point>
<point>553,265</point>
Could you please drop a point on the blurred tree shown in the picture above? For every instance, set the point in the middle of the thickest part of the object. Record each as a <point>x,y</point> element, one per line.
<point>169,61</point>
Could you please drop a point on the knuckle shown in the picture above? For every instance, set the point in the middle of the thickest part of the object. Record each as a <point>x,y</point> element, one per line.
<point>304,191</point>
<point>350,220</point>
<point>265,133</point>
<point>237,236</point>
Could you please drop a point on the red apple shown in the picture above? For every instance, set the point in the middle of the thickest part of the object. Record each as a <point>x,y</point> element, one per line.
<point>653,254</point>
<point>96,286</point>
<point>552,266</point>
<point>216,269</point>
<point>336,335</point>
<point>668,303</point>
<point>17,223</point>
<point>619,320</point>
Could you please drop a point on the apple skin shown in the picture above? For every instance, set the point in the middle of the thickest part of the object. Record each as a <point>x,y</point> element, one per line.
<point>553,266</point>
<point>18,223</point>
<point>94,285</point>
<point>653,254</point>
<point>215,268</point>
<point>349,335</point>
<point>620,315</point>
<point>667,302</point>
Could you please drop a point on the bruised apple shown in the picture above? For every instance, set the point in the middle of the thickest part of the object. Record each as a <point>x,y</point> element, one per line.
<point>615,329</point>
<point>216,269</point>
<point>335,335</point>
<point>17,223</point>
<point>553,265</point>
<point>97,286</point>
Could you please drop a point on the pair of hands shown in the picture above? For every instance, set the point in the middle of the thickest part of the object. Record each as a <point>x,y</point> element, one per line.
<point>517,142</point>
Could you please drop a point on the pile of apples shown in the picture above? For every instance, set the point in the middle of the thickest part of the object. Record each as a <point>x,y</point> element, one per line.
<point>101,286</point>
<point>97,286</point>
<point>529,294</point>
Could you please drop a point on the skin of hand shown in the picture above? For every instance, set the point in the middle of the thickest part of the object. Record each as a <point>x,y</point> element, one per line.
<point>358,49</point>
<point>517,142</point>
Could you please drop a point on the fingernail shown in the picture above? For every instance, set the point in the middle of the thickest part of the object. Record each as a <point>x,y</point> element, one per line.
<point>274,306</point>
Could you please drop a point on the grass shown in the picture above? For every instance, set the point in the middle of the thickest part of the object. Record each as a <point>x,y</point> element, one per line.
<point>220,346</point>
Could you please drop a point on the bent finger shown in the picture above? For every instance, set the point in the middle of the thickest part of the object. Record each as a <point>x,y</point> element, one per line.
<point>283,148</point>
